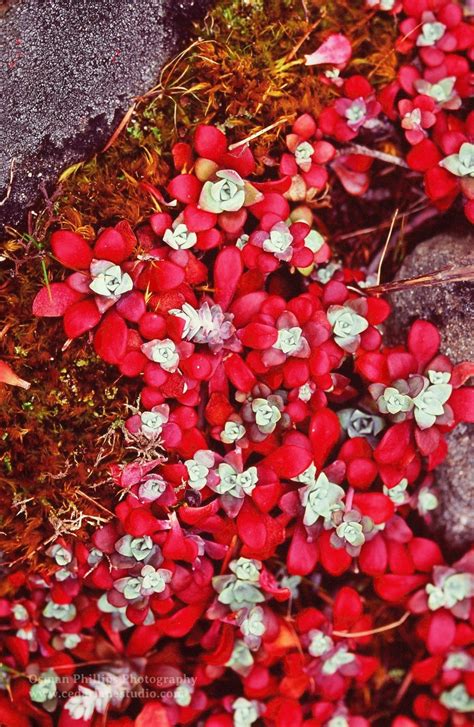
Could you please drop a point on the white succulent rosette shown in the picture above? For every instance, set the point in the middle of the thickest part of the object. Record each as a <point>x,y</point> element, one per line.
<point>152,421</point>
<point>442,91</point>
<point>198,468</point>
<point>320,498</point>
<point>135,548</point>
<point>324,274</point>
<point>241,660</point>
<point>381,5</point>
<point>319,643</point>
<point>154,580</point>
<point>151,488</point>
<point>339,720</point>
<point>291,341</point>
<point>179,237</point>
<point>430,404</point>
<point>252,626</point>
<point>398,493</point>
<point>245,712</point>
<point>348,322</point>
<point>451,589</point>
<point>62,556</point>
<point>358,423</point>
<point>208,325</point>
<point>183,694</point>
<point>314,241</point>
<point>339,660</point>
<point>108,282</point>
<point>267,414</point>
<point>432,30</point>
<point>44,689</point>
<point>396,400</point>
<point>457,699</point>
<point>247,569</point>
<point>149,581</point>
<point>64,612</point>
<point>236,593</point>
<point>352,531</point>
<point>459,661</point>
<point>356,113</point>
<point>279,242</point>
<point>426,500</point>
<point>163,352</point>
<point>303,155</point>
<point>228,192</point>
<point>235,483</point>
<point>460,164</point>
<point>234,431</point>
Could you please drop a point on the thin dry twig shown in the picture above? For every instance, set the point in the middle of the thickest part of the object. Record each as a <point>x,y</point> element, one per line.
<point>121,126</point>
<point>379,630</point>
<point>256,134</point>
<point>444,276</point>
<point>374,154</point>
<point>10,182</point>
<point>385,247</point>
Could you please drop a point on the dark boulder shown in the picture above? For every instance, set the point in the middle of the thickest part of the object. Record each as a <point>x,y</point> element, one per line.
<point>70,72</point>
<point>451,308</point>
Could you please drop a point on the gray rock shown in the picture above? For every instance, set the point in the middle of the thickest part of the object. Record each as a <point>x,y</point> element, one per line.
<point>70,72</point>
<point>451,308</point>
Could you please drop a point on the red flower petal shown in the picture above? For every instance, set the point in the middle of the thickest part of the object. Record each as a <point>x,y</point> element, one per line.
<point>302,554</point>
<point>239,373</point>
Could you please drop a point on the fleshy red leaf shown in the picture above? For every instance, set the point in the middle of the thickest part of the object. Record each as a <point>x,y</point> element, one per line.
<point>54,299</point>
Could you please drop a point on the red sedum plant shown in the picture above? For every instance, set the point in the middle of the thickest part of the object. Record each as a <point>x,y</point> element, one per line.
<point>270,531</point>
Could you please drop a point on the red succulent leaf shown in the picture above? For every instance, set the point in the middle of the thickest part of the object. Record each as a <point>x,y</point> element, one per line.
<point>324,433</point>
<point>227,271</point>
<point>80,317</point>
<point>110,339</point>
<point>423,341</point>
<point>288,461</point>
<point>71,250</point>
<point>54,299</point>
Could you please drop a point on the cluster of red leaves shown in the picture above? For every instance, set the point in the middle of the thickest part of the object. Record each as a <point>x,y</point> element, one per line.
<point>430,93</point>
<point>272,521</point>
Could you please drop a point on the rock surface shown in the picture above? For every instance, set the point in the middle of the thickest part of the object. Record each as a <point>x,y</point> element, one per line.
<point>71,69</point>
<point>451,308</point>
